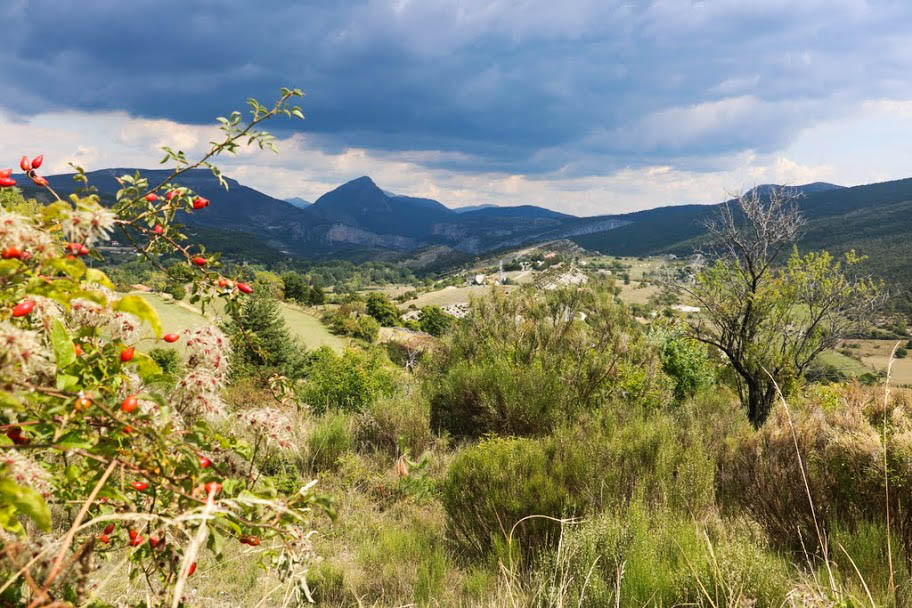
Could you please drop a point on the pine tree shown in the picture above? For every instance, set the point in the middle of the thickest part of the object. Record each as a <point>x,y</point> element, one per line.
<point>261,339</point>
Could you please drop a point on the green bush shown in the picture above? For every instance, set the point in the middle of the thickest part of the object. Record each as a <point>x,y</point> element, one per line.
<point>176,291</point>
<point>662,558</point>
<point>841,441</point>
<point>493,485</point>
<point>381,308</point>
<point>294,287</point>
<point>366,329</point>
<point>394,424</point>
<point>520,364</point>
<point>656,458</point>
<point>434,321</point>
<point>330,438</point>
<point>351,381</point>
<point>685,361</point>
<point>167,359</point>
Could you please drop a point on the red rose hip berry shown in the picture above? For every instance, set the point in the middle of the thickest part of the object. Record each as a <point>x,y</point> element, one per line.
<point>23,308</point>
<point>129,404</point>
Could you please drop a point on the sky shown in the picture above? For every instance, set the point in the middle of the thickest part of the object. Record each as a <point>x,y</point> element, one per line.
<point>585,107</point>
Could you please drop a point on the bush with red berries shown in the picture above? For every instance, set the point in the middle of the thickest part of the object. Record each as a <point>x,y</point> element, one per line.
<point>102,453</point>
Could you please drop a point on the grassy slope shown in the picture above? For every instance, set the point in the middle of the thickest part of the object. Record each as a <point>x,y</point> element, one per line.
<point>304,325</point>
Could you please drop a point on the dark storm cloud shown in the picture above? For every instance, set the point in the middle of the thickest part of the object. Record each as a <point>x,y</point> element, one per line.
<point>522,86</point>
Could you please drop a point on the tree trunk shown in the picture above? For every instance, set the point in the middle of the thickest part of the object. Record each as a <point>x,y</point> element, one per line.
<point>760,397</point>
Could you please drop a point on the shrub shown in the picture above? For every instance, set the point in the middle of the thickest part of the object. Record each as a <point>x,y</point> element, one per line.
<point>490,487</point>
<point>521,363</point>
<point>351,381</point>
<point>176,291</point>
<point>366,329</point>
<point>167,359</point>
<point>685,361</point>
<point>601,463</point>
<point>434,321</point>
<point>328,440</point>
<point>380,308</point>
<point>294,287</point>
<point>641,556</point>
<point>88,423</point>
<point>395,424</point>
<point>901,353</point>
<point>841,444</point>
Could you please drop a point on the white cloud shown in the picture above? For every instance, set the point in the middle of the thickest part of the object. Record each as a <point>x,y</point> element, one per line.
<point>870,144</point>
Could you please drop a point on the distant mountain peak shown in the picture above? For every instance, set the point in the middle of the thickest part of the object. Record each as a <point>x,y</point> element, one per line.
<point>299,202</point>
<point>803,188</point>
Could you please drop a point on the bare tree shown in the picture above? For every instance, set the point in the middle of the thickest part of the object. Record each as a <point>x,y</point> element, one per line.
<point>772,316</point>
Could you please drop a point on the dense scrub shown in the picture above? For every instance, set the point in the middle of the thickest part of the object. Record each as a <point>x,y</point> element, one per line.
<point>521,365</point>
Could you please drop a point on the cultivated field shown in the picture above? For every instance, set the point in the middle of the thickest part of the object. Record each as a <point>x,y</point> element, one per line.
<point>450,295</point>
<point>875,355</point>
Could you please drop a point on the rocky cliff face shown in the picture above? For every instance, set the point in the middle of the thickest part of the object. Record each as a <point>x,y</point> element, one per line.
<point>340,233</point>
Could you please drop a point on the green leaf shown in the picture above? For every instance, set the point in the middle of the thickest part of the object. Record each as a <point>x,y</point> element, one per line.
<point>73,440</point>
<point>8,267</point>
<point>26,501</point>
<point>93,275</point>
<point>64,351</point>
<point>66,382</point>
<point>216,542</point>
<point>9,400</point>
<point>137,305</point>
<point>74,268</point>
<point>146,367</point>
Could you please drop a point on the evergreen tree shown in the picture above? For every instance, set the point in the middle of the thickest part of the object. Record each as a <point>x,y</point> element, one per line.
<point>260,339</point>
<point>295,287</point>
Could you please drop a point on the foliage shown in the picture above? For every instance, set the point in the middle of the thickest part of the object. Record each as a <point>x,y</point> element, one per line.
<point>351,381</point>
<point>330,438</point>
<point>261,340</point>
<point>772,321</point>
<point>641,556</point>
<point>685,361</point>
<point>520,364</point>
<point>490,487</point>
<point>598,464</point>
<point>367,329</point>
<point>840,434</point>
<point>268,282</point>
<point>176,291</point>
<point>395,424</point>
<point>382,309</point>
<point>294,287</point>
<point>167,359</point>
<point>98,428</point>
<point>434,321</point>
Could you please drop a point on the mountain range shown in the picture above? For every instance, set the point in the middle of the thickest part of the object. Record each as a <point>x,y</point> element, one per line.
<point>359,220</point>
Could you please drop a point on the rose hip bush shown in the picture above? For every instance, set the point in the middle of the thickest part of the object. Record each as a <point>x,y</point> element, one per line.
<point>102,454</point>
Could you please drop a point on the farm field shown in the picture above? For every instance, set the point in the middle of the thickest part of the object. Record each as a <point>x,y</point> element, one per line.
<point>450,295</point>
<point>634,294</point>
<point>875,354</point>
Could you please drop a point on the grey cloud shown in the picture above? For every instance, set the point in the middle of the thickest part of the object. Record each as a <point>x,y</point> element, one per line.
<point>534,87</point>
